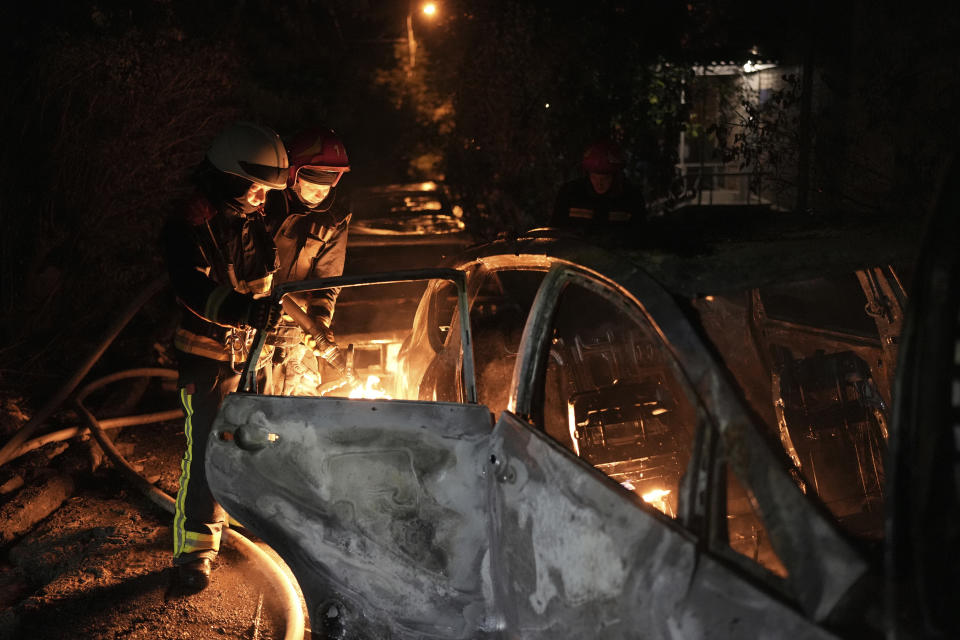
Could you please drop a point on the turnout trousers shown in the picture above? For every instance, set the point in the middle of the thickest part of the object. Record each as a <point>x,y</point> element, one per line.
<point>199,520</point>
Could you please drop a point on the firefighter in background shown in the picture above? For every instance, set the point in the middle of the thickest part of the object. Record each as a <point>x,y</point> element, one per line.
<point>221,261</point>
<point>603,200</point>
<point>310,222</point>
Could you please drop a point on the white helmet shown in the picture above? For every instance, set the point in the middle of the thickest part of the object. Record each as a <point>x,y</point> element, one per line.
<point>253,152</point>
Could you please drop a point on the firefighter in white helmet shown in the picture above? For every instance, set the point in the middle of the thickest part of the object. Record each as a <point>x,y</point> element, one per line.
<point>221,261</point>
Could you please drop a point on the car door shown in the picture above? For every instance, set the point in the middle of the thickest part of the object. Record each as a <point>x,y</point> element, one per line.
<point>597,557</point>
<point>378,506</point>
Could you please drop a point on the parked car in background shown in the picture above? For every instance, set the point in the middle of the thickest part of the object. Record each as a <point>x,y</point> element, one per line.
<point>394,226</point>
<point>403,226</point>
<point>581,441</point>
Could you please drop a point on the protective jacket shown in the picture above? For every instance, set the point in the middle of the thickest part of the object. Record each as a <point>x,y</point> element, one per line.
<point>216,256</point>
<point>578,205</point>
<point>311,243</point>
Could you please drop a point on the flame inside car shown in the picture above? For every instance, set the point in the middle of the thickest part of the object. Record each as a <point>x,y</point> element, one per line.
<point>657,498</point>
<point>371,389</point>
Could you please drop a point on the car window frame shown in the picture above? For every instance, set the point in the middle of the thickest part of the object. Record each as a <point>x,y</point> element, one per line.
<point>468,380</point>
<point>529,377</point>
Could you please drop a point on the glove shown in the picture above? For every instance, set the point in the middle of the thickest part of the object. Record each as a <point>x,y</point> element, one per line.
<point>263,314</point>
<point>287,334</point>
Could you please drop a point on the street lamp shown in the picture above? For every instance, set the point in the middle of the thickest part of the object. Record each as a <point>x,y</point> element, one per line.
<point>429,9</point>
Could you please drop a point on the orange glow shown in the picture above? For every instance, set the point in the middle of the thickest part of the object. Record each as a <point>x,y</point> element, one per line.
<point>430,9</point>
<point>657,495</point>
<point>371,390</point>
<point>657,499</point>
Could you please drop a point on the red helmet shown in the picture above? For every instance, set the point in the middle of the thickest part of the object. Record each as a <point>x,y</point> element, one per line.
<point>604,156</point>
<point>318,156</point>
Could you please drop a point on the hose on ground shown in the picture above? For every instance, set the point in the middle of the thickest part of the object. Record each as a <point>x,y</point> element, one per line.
<point>109,423</point>
<point>122,319</point>
<point>15,446</point>
<point>293,614</point>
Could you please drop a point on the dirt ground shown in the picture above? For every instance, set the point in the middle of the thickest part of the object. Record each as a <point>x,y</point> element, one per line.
<point>99,566</point>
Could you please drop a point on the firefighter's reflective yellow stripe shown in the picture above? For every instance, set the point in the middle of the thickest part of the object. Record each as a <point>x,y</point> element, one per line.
<point>260,285</point>
<point>619,216</point>
<point>189,342</point>
<point>179,517</point>
<point>212,309</point>
<point>194,541</point>
<point>583,214</point>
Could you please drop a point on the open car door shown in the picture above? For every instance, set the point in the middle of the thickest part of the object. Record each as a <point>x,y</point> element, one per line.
<point>378,507</point>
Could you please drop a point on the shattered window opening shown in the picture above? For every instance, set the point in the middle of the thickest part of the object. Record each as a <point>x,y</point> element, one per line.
<point>812,365</point>
<point>611,397</point>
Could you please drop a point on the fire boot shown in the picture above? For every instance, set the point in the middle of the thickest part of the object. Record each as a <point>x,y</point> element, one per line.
<point>194,575</point>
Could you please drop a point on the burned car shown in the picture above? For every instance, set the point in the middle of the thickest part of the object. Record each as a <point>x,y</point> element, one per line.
<point>577,441</point>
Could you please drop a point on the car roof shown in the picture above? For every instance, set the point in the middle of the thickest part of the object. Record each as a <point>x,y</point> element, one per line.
<point>715,250</point>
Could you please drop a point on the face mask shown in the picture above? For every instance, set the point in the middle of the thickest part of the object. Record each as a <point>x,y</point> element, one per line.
<point>311,194</point>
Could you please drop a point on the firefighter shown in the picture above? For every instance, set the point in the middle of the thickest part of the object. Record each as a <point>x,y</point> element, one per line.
<point>603,200</point>
<point>310,221</point>
<point>221,261</point>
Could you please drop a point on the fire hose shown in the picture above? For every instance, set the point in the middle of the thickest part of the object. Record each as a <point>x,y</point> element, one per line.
<point>10,448</point>
<point>20,444</point>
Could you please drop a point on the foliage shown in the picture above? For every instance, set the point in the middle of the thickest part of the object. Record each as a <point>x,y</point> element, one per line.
<point>108,129</point>
<point>761,134</point>
<point>523,89</point>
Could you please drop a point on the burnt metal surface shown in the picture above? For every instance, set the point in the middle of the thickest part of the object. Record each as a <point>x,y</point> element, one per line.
<point>576,556</point>
<point>378,507</point>
<point>414,520</point>
<point>822,565</point>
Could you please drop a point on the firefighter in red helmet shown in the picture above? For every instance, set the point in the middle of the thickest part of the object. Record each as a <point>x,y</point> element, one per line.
<point>221,260</point>
<point>603,200</point>
<point>309,221</point>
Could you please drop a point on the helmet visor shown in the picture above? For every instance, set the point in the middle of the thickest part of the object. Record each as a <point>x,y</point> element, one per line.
<point>275,177</point>
<point>319,176</point>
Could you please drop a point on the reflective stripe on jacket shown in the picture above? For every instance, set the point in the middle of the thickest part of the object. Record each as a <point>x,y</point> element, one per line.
<point>216,259</point>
